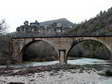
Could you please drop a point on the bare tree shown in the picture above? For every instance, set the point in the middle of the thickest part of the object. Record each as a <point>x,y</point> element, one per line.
<point>3,27</point>
<point>5,41</point>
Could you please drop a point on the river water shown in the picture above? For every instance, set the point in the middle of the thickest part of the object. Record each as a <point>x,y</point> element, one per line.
<point>82,61</point>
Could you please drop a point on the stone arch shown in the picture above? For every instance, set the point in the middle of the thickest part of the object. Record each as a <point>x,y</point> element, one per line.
<point>75,42</point>
<point>34,41</point>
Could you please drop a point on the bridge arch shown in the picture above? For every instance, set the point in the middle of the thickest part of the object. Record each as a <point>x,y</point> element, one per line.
<point>75,42</point>
<point>36,41</point>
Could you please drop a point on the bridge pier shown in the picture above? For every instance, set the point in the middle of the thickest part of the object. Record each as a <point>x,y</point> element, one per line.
<point>62,56</point>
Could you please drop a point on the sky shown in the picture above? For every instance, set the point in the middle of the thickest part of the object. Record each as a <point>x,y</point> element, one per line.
<point>15,12</point>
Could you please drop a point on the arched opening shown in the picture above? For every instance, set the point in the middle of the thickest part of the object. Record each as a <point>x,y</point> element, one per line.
<point>39,51</point>
<point>89,48</point>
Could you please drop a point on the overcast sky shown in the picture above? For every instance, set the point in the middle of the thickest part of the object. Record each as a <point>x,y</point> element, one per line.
<point>15,12</point>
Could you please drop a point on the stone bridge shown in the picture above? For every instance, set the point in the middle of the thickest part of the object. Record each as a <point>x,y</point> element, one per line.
<point>62,44</point>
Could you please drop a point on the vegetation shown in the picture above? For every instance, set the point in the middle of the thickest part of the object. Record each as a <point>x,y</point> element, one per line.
<point>4,43</point>
<point>100,25</point>
<point>3,27</point>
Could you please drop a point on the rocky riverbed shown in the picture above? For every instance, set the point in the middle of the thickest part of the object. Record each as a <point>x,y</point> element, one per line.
<point>56,74</point>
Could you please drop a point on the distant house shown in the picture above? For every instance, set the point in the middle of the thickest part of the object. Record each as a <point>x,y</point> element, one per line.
<point>37,28</point>
<point>32,27</point>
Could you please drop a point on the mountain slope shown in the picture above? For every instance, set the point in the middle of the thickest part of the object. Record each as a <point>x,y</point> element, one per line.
<point>64,21</point>
<point>98,26</point>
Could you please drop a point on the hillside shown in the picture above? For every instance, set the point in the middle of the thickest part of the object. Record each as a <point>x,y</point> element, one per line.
<point>101,25</point>
<point>64,21</point>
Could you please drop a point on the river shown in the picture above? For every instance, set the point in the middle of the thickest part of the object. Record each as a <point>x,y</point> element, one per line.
<point>81,61</point>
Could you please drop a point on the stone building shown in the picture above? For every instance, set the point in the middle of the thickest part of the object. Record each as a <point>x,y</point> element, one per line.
<point>37,28</point>
<point>32,27</point>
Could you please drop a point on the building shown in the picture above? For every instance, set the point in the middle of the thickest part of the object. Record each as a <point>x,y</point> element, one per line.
<point>37,28</point>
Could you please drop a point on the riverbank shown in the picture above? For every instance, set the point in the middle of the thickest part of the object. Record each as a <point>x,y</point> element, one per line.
<point>11,71</point>
<point>82,72</point>
<point>56,74</point>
